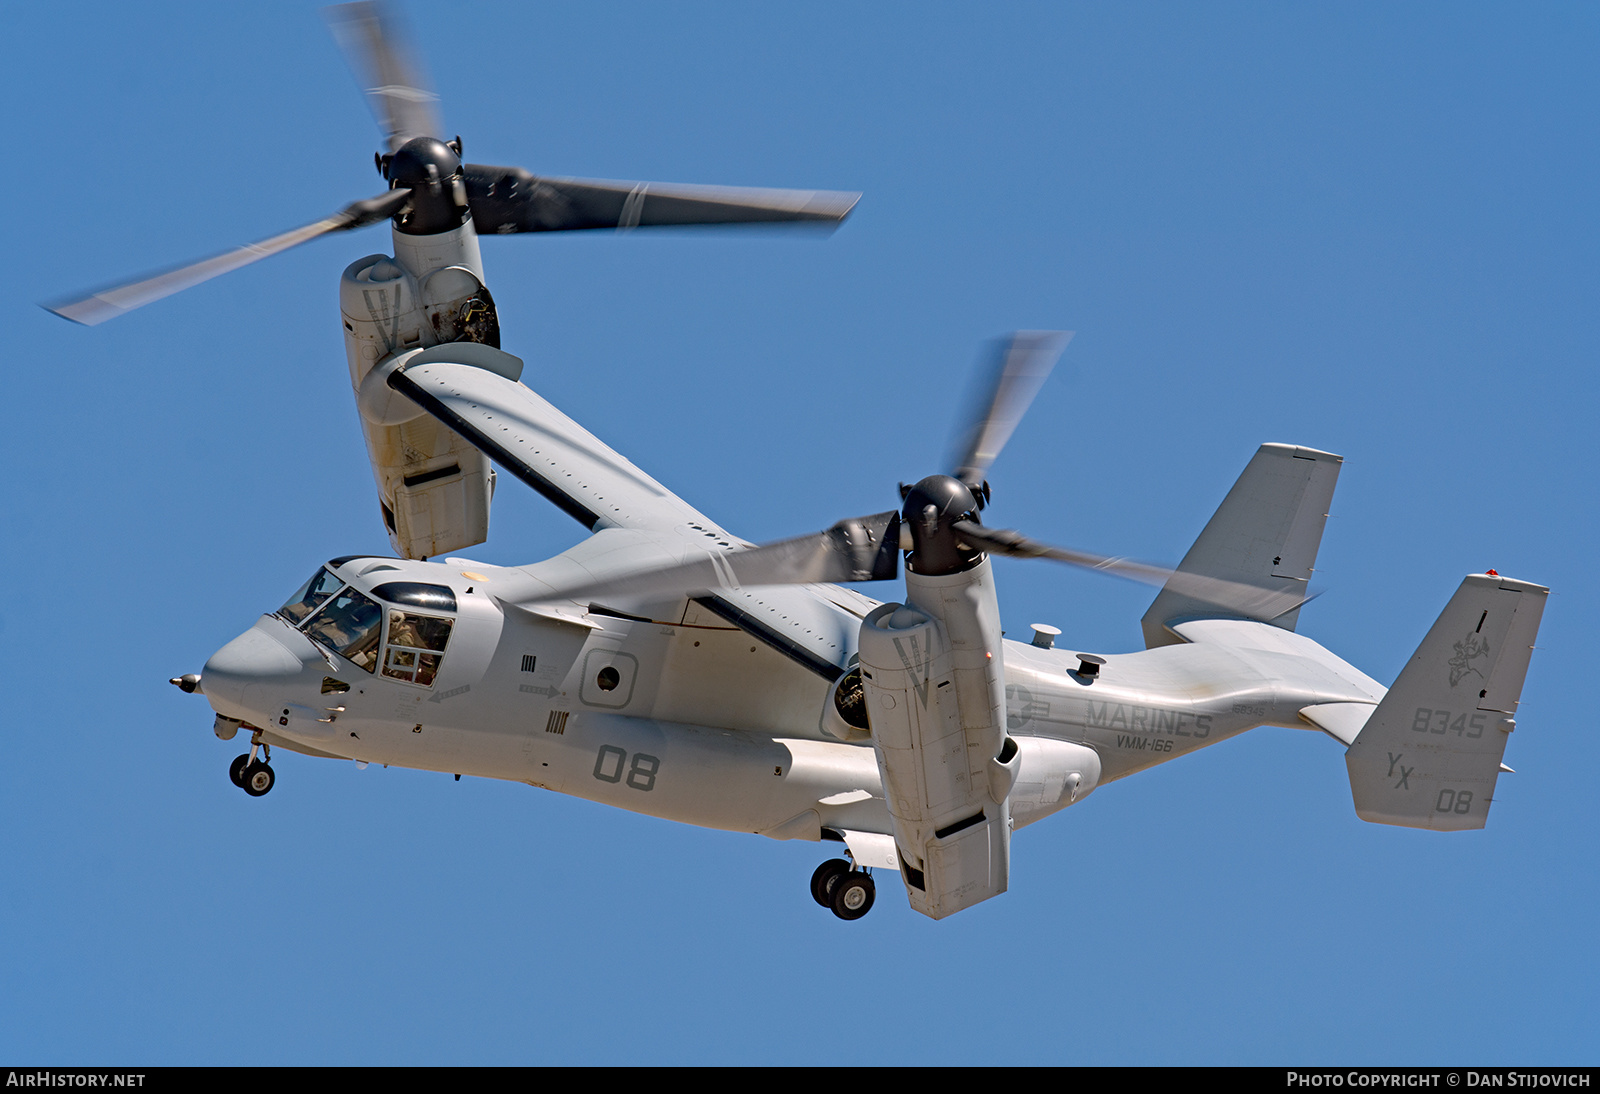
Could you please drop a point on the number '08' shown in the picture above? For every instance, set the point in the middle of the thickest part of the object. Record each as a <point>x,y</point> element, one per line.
<point>611,761</point>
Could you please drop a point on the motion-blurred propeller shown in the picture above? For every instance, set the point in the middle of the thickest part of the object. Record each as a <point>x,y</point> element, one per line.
<point>377,49</point>
<point>1250,600</point>
<point>862,549</point>
<point>431,191</point>
<point>509,199</point>
<point>938,522</point>
<point>1022,363</point>
<point>109,303</point>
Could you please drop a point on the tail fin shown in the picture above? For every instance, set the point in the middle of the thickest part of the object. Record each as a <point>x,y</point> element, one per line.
<point>1429,755</point>
<point>1265,534</point>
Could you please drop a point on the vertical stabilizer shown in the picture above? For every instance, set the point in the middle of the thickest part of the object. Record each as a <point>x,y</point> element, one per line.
<point>1265,535</point>
<point>1429,755</point>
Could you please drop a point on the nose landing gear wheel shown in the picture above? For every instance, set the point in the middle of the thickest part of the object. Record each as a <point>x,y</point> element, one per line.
<point>852,895</point>
<point>823,880</point>
<point>258,779</point>
<point>237,768</point>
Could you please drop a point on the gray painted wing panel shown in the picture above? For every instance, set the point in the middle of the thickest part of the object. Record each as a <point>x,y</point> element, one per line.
<point>801,621</point>
<point>803,616</point>
<point>640,524</point>
<point>574,464</point>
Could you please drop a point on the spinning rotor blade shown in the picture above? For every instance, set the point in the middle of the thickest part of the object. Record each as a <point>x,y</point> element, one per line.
<point>1023,363</point>
<point>864,549</point>
<point>509,199</point>
<point>375,47</point>
<point>109,303</point>
<point>1250,600</point>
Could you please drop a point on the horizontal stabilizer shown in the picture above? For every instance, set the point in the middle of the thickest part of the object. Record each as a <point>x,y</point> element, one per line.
<point>1429,755</point>
<point>1262,541</point>
<point>1341,721</point>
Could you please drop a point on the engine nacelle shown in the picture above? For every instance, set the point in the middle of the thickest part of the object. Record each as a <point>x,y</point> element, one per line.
<point>934,684</point>
<point>912,706</point>
<point>433,486</point>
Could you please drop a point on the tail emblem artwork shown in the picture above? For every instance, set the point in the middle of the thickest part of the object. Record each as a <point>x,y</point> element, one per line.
<point>1467,650</point>
<point>667,666</point>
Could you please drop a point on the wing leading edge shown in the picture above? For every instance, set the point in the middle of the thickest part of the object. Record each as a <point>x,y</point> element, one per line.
<point>600,489</point>
<point>580,474</point>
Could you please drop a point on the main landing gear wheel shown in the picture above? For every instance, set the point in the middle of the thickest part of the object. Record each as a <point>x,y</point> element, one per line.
<point>823,880</point>
<point>237,768</point>
<point>258,779</point>
<point>853,894</point>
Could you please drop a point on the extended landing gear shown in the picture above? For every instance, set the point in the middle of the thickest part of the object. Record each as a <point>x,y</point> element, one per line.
<point>251,775</point>
<point>839,886</point>
<point>823,880</point>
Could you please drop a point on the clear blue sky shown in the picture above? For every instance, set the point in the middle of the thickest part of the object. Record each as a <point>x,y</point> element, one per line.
<point>1370,229</point>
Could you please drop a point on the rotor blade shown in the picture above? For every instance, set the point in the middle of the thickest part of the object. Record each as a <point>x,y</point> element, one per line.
<point>863,549</point>
<point>1250,600</point>
<point>509,199</point>
<point>1022,363</point>
<point>109,303</point>
<point>376,47</point>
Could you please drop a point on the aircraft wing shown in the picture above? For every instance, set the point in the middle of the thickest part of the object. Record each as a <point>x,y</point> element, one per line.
<point>478,399</point>
<point>517,429</point>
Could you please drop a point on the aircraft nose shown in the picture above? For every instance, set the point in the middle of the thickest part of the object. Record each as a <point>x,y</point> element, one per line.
<point>255,657</point>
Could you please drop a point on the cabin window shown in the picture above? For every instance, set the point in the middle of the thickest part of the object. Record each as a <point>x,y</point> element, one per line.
<point>416,646</point>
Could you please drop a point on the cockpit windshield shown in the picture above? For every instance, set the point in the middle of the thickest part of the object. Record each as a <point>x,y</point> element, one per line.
<point>342,619</point>
<point>352,625</point>
<point>310,597</point>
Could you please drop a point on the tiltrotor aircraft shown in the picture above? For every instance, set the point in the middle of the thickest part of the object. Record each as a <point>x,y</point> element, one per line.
<point>666,666</point>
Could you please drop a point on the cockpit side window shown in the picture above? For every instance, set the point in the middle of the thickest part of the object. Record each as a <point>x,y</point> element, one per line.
<point>416,646</point>
<point>352,625</point>
<point>310,597</point>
